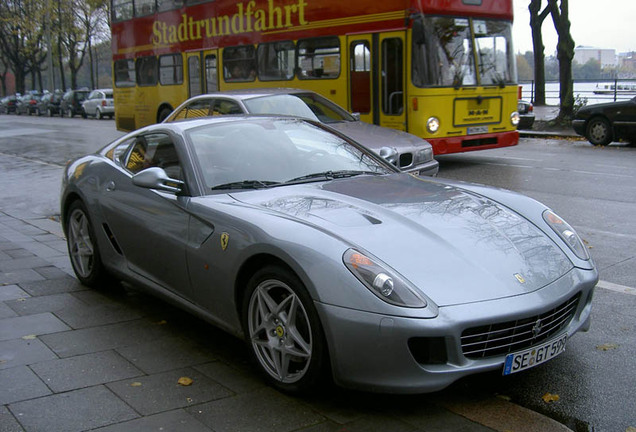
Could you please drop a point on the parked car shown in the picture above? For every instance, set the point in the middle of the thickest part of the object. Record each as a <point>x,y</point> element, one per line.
<point>327,259</point>
<point>28,103</point>
<point>406,151</point>
<point>71,104</point>
<point>526,114</point>
<point>99,104</point>
<point>603,123</point>
<point>8,104</point>
<point>49,104</point>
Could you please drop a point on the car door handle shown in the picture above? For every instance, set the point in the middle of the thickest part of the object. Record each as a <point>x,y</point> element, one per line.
<point>110,186</point>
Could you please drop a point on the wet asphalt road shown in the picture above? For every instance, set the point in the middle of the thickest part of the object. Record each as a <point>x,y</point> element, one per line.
<point>593,188</point>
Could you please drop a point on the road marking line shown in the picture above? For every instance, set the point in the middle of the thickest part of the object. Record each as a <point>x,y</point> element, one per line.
<point>615,287</point>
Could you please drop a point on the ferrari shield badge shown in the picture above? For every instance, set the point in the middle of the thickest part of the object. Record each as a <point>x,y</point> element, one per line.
<point>225,240</point>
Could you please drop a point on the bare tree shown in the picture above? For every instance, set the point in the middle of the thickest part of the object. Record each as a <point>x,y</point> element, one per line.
<point>537,17</point>
<point>565,55</point>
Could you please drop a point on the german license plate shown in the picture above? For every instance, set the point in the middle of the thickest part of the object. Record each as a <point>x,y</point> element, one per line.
<point>517,362</point>
<point>474,130</point>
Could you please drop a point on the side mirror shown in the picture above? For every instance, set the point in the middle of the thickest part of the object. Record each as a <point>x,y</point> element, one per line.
<point>156,178</point>
<point>389,154</point>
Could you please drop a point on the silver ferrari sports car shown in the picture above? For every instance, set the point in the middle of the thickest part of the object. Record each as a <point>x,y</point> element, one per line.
<point>325,258</point>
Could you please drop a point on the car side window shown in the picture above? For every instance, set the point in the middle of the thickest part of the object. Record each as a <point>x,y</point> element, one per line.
<point>195,109</point>
<point>154,150</point>
<point>226,107</point>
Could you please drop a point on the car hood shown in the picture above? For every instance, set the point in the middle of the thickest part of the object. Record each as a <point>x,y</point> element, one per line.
<point>456,246</point>
<point>375,137</point>
<point>606,107</point>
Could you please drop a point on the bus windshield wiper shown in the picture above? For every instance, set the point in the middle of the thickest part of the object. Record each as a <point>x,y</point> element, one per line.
<point>330,175</point>
<point>246,184</point>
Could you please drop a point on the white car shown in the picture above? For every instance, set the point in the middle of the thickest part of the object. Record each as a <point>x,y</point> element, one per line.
<point>99,104</point>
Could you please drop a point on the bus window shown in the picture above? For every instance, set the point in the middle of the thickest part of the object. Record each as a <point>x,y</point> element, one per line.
<point>276,61</point>
<point>494,52</point>
<point>124,73</point>
<point>392,76</point>
<point>239,63</point>
<point>144,7</point>
<point>171,69</point>
<point>360,77</point>
<point>442,52</point>
<point>319,58</point>
<point>122,10</point>
<point>164,5</point>
<point>146,71</point>
<point>194,76</point>
<point>211,77</point>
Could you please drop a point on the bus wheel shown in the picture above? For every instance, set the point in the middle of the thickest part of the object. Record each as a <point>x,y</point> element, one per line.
<point>163,114</point>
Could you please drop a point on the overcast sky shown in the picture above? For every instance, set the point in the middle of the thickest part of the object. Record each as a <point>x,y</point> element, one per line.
<point>598,23</point>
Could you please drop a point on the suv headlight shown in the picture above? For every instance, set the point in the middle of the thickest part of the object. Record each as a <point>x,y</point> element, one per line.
<point>382,281</point>
<point>567,234</point>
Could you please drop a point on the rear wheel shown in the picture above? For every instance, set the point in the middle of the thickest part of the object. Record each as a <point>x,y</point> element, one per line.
<point>98,114</point>
<point>599,131</point>
<point>283,330</point>
<point>82,246</point>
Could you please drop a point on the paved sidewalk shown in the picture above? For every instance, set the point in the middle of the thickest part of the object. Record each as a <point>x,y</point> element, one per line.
<point>74,359</point>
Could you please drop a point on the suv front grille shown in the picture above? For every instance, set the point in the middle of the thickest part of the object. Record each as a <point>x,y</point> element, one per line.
<point>504,338</point>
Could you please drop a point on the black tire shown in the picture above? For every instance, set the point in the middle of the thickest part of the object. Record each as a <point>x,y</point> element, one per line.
<point>164,114</point>
<point>98,114</point>
<point>599,131</point>
<point>290,353</point>
<point>82,246</point>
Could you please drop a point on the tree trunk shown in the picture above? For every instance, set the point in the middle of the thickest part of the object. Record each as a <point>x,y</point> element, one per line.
<point>536,21</point>
<point>565,54</point>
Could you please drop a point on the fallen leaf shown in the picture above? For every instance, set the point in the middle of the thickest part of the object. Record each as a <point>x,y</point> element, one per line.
<point>185,381</point>
<point>549,397</point>
<point>606,347</point>
<point>630,429</point>
<point>29,337</point>
<point>21,299</point>
<point>162,322</point>
<point>504,397</point>
<point>189,400</point>
<point>136,384</point>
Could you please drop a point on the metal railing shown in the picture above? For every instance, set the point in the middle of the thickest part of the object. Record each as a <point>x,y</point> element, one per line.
<point>592,91</point>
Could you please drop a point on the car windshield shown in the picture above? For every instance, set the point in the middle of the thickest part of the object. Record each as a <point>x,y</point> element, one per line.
<point>306,105</point>
<point>264,153</point>
<point>444,52</point>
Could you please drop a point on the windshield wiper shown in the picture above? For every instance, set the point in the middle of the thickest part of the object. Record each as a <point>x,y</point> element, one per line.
<point>330,175</point>
<point>246,184</point>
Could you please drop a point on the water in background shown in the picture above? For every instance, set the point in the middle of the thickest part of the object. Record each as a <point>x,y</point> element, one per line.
<point>585,90</point>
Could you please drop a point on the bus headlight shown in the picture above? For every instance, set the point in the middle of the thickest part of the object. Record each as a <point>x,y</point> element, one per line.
<point>515,118</point>
<point>432,125</point>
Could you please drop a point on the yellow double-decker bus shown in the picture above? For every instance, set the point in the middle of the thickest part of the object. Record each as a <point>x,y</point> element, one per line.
<point>443,70</point>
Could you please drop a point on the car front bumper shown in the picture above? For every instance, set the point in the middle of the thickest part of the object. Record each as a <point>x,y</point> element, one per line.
<point>579,126</point>
<point>375,352</point>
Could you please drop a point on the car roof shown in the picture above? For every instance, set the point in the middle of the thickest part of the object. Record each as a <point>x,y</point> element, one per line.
<point>244,94</point>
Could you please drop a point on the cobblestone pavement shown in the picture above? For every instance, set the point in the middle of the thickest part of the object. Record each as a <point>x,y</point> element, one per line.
<point>76,359</point>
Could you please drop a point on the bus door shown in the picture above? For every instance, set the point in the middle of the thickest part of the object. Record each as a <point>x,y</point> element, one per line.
<point>202,72</point>
<point>376,77</point>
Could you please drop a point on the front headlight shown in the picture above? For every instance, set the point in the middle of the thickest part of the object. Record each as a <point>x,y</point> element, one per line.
<point>432,125</point>
<point>382,281</point>
<point>567,234</point>
<point>424,155</point>
<point>515,118</point>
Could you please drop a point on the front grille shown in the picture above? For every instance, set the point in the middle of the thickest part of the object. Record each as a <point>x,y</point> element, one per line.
<point>504,338</point>
<point>406,159</point>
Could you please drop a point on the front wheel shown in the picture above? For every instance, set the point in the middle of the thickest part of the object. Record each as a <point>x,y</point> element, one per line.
<point>82,246</point>
<point>599,132</point>
<point>98,115</point>
<point>283,331</point>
